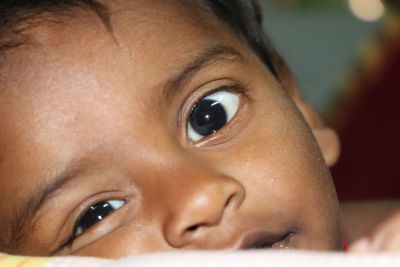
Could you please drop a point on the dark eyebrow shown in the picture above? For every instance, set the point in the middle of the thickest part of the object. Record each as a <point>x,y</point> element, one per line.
<point>23,218</point>
<point>213,54</point>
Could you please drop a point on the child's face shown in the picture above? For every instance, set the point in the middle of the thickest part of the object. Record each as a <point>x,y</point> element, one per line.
<point>91,118</point>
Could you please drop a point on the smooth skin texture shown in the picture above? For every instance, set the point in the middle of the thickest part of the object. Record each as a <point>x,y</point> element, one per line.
<point>97,110</point>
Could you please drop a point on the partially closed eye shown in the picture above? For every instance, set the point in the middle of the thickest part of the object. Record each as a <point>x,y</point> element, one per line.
<point>211,114</point>
<point>95,214</point>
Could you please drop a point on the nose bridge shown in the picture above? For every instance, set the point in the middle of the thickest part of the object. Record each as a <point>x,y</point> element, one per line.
<point>199,201</point>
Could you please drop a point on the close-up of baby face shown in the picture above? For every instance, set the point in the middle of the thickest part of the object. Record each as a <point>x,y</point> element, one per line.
<point>165,132</point>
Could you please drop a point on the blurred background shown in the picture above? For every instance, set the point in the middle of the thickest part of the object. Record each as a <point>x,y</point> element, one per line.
<point>345,55</point>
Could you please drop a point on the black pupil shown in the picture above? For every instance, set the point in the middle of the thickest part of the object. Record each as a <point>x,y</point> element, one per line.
<point>207,117</point>
<point>95,214</point>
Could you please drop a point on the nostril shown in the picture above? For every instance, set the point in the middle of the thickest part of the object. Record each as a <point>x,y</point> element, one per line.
<point>229,200</point>
<point>196,227</point>
<point>233,201</point>
<point>193,228</point>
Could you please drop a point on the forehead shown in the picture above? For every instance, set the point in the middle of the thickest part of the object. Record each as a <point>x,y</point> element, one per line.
<point>150,39</point>
<point>142,33</point>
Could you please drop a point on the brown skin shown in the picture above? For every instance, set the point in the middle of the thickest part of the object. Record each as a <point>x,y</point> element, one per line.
<point>94,100</point>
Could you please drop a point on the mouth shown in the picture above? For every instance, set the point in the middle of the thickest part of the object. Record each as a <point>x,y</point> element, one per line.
<point>265,240</point>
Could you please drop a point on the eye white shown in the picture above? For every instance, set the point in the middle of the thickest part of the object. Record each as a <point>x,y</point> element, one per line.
<point>228,100</point>
<point>115,204</point>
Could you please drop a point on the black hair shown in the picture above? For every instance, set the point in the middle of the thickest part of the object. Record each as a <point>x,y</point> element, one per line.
<point>18,15</point>
<point>243,17</point>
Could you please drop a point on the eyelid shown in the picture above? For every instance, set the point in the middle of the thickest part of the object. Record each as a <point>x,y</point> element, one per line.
<point>189,104</point>
<point>115,204</point>
<point>79,212</point>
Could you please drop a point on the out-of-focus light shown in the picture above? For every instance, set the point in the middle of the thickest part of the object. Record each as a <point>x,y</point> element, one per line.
<point>367,10</point>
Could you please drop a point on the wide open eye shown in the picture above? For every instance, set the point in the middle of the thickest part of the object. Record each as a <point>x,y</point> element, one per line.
<point>95,214</point>
<point>212,113</point>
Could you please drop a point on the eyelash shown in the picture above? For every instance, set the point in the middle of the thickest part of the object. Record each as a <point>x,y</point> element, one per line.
<point>237,88</point>
<point>72,236</point>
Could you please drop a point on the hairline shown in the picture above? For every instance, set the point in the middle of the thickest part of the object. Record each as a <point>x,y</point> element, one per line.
<point>103,13</point>
<point>15,33</point>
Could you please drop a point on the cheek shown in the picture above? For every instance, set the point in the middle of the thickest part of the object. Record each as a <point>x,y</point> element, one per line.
<point>277,160</point>
<point>137,237</point>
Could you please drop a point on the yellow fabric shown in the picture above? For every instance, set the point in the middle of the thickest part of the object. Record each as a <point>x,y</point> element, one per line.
<point>19,261</point>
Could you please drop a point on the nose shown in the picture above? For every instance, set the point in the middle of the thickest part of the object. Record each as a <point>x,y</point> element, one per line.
<point>200,208</point>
